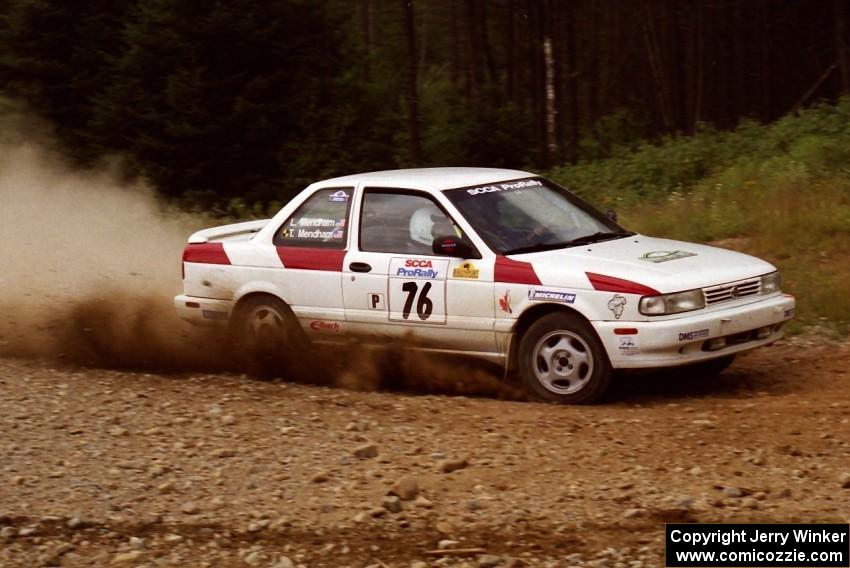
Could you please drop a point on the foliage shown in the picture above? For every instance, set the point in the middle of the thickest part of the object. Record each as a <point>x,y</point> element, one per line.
<point>779,191</point>
<point>213,101</point>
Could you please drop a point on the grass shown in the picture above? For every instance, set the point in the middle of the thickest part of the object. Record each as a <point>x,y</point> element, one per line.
<point>805,233</point>
<point>779,191</point>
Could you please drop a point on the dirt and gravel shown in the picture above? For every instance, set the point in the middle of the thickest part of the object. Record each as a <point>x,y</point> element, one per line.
<point>125,441</point>
<point>104,467</point>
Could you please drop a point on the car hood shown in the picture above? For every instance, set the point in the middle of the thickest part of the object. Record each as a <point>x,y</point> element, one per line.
<point>662,264</point>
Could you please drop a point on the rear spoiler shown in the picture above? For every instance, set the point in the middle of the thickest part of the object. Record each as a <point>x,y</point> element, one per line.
<point>228,231</point>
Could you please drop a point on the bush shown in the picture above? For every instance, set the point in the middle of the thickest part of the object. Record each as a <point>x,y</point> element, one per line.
<point>779,191</point>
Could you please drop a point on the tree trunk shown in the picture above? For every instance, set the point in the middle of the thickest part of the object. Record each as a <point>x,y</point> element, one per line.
<point>366,34</point>
<point>511,67</point>
<point>840,13</point>
<point>657,67</point>
<point>412,93</point>
<point>766,75</point>
<point>739,39</point>
<point>572,153</point>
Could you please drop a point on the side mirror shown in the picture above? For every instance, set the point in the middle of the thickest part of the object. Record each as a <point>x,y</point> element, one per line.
<point>611,214</point>
<point>452,246</point>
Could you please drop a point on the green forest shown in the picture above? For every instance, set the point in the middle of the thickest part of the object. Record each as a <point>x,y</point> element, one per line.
<point>253,99</point>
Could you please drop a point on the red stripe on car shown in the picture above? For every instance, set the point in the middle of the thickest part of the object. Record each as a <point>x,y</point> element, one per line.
<point>514,272</point>
<point>205,253</point>
<point>611,284</point>
<point>311,258</point>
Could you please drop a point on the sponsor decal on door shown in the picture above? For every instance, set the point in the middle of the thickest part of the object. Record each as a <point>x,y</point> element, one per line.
<point>417,290</point>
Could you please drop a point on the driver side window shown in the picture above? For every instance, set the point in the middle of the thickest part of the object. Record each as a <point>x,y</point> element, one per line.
<point>403,223</point>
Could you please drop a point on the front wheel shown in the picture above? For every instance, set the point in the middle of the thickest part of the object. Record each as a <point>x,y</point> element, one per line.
<point>562,360</point>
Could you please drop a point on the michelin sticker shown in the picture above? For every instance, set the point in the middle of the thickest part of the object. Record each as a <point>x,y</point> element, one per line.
<point>616,304</point>
<point>665,255</point>
<point>628,346</point>
<point>551,296</point>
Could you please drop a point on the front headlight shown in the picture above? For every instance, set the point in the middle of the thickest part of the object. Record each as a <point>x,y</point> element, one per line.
<point>771,283</point>
<point>672,303</point>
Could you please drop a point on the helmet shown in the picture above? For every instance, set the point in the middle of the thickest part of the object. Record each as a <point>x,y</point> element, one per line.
<point>421,223</point>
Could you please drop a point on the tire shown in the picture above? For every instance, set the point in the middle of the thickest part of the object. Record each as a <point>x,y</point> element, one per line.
<point>561,360</point>
<point>265,334</point>
<point>708,370</point>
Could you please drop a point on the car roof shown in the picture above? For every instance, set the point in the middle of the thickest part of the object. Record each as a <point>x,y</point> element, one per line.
<point>426,178</point>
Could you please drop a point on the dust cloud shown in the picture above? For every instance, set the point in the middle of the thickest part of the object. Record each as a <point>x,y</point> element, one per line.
<point>90,264</point>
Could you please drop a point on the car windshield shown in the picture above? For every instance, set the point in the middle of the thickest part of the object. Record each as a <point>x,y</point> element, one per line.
<point>530,215</point>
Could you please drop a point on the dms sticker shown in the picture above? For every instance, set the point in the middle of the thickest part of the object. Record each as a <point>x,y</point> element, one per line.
<point>666,255</point>
<point>551,296</point>
<point>616,304</point>
<point>628,346</point>
<point>338,196</point>
<point>691,335</point>
<point>466,270</point>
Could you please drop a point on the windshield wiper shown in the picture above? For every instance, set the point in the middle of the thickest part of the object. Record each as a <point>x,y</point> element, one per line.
<point>601,236</point>
<point>594,238</point>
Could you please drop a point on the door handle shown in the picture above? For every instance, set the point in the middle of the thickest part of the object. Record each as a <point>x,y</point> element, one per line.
<point>360,267</point>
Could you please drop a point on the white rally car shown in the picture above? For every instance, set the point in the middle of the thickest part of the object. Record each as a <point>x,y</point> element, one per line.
<point>498,264</point>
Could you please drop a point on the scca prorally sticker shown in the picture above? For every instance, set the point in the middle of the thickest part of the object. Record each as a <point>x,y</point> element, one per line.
<point>466,270</point>
<point>551,296</point>
<point>414,268</point>
<point>419,268</point>
<point>616,304</point>
<point>417,290</point>
<point>665,255</point>
<point>691,335</point>
<point>507,186</point>
<point>338,196</point>
<point>628,345</point>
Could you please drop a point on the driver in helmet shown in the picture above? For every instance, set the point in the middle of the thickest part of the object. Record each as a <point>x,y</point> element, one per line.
<point>427,223</point>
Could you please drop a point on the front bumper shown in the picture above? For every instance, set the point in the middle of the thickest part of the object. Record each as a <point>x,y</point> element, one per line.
<point>203,311</point>
<point>684,340</point>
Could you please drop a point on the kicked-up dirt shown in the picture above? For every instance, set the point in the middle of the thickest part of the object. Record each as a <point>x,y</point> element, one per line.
<point>124,444</point>
<point>105,467</point>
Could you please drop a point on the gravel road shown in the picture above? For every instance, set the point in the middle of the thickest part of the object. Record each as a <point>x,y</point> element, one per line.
<point>104,467</point>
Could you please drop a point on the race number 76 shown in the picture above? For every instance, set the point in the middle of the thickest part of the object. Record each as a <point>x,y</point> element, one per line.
<point>424,305</point>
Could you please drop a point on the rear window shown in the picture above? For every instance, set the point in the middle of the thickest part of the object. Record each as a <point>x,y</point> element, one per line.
<point>321,221</point>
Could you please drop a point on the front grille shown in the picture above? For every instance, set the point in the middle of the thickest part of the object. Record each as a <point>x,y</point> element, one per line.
<point>731,291</point>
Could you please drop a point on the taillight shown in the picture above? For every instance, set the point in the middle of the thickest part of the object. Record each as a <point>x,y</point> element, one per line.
<point>204,253</point>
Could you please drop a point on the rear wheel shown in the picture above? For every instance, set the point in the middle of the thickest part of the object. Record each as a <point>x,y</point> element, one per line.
<point>562,360</point>
<point>265,333</point>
